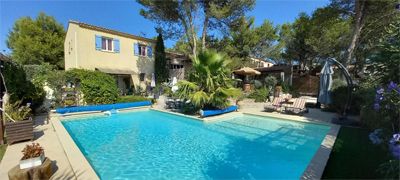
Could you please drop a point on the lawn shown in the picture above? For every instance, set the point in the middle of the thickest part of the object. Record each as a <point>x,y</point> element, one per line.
<point>354,156</point>
<point>2,151</point>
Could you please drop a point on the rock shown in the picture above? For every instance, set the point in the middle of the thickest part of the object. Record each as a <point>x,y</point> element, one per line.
<point>42,172</point>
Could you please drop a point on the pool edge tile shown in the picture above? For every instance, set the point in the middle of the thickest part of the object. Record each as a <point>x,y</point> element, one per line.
<point>80,166</point>
<point>317,165</point>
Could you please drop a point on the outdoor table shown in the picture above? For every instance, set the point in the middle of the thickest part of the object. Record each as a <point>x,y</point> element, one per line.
<point>42,172</point>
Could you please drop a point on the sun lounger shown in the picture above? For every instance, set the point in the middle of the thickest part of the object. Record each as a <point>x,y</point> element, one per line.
<point>275,106</point>
<point>298,107</point>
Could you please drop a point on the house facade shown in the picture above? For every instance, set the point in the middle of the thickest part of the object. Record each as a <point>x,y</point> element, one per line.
<point>178,65</point>
<point>127,57</point>
<point>259,63</point>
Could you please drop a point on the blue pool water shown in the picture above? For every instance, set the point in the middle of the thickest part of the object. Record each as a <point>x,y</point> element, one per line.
<point>155,145</point>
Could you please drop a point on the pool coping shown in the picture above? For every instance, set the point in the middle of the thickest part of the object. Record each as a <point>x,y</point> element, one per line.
<point>83,169</point>
<point>79,164</point>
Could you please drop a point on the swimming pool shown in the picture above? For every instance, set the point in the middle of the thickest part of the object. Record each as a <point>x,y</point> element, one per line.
<point>156,145</point>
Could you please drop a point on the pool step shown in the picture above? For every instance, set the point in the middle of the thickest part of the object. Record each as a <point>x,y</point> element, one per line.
<point>238,129</point>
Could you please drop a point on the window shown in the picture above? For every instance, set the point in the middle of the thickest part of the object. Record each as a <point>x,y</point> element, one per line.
<point>141,76</point>
<point>142,50</point>
<point>106,44</point>
<point>173,66</point>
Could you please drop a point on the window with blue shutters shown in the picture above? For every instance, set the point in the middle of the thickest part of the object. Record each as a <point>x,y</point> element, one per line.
<point>98,42</point>
<point>149,51</point>
<point>136,49</point>
<point>106,44</point>
<point>142,50</point>
<point>116,45</point>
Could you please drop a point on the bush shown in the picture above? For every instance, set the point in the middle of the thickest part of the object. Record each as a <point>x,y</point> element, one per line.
<point>17,112</point>
<point>270,81</point>
<point>339,99</point>
<point>132,98</point>
<point>336,83</point>
<point>46,74</point>
<point>20,88</point>
<point>257,84</point>
<point>97,87</point>
<point>259,95</point>
<point>69,102</point>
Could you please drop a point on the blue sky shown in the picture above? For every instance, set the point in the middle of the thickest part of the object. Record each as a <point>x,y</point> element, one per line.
<point>124,15</point>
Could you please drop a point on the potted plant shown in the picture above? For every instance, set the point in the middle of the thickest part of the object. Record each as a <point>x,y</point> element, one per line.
<point>33,155</point>
<point>19,124</point>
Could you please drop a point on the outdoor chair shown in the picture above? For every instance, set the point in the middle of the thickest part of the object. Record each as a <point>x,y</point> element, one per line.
<point>275,106</point>
<point>298,107</point>
<point>169,103</point>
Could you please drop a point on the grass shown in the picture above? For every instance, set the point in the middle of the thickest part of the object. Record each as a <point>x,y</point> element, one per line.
<point>131,98</point>
<point>2,151</point>
<point>354,156</point>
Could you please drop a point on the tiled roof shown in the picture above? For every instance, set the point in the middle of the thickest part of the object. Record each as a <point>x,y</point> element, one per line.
<point>110,31</point>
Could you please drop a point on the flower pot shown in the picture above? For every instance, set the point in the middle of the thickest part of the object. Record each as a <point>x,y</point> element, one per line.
<point>19,131</point>
<point>31,162</point>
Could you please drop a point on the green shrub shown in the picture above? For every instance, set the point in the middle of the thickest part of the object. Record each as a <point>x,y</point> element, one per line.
<point>46,74</point>
<point>259,95</point>
<point>69,102</point>
<point>17,112</point>
<point>336,83</point>
<point>132,98</point>
<point>257,84</point>
<point>339,99</point>
<point>97,87</point>
<point>20,88</point>
<point>270,81</point>
<point>286,88</point>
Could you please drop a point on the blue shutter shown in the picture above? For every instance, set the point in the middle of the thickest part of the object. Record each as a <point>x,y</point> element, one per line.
<point>136,49</point>
<point>149,51</point>
<point>116,45</point>
<point>98,42</point>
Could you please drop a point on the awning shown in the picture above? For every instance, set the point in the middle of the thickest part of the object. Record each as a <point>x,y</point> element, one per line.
<point>116,71</point>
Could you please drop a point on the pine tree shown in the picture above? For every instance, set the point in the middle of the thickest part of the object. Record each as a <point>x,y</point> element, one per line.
<point>37,41</point>
<point>160,64</point>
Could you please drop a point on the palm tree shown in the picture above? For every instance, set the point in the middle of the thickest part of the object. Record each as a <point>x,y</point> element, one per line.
<point>209,84</point>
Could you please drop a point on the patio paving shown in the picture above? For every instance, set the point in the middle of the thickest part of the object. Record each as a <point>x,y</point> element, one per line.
<point>47,138</point>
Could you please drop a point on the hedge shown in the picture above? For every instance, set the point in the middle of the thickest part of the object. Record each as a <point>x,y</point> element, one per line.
<point>97,87</point>
<point>131,98</point>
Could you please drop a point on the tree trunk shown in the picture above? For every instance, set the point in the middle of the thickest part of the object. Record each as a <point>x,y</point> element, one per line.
<point>359,8</point>
<point>204,34</point>
<point>187,22</point>
<point>194,38</point>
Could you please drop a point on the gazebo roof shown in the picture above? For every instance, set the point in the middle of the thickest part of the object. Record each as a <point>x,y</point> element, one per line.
<point>247,71</point>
